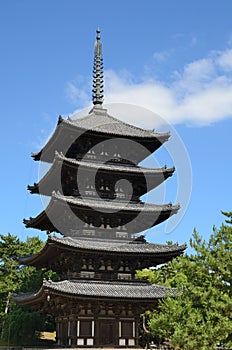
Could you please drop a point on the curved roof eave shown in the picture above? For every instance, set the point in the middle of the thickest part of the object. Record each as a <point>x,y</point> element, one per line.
<point>79,203</point>
<point>116,290</point>
<point>127,248</point>
<point>79,127</point>
<point>128,170</point>
<point>111,205</point>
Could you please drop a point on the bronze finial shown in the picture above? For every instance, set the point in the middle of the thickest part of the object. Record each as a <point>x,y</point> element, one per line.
<point>97,96</point>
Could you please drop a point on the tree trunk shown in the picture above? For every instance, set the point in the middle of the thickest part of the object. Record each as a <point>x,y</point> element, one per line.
<point>7,303</point>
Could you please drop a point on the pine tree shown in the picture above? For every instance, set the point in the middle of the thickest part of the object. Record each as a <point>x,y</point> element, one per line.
<point>18,324</point>
<point>199,317</point>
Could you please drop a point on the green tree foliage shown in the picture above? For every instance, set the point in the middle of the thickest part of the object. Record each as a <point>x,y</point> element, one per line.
<point>12,275</point>
<point>200,316</point>
<point>22,326</point>
<point>229,216</point>
<point>18,324</point>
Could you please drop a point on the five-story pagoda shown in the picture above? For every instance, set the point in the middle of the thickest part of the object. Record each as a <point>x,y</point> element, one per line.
<point>95,185</point>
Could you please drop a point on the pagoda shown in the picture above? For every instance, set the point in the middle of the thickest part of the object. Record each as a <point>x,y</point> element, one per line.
<point>94,222</point>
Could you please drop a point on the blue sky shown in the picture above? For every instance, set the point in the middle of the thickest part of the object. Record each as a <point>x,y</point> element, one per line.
<point>171,57</point>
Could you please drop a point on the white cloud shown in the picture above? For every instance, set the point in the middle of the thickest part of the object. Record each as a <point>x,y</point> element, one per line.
<point>161,56</point>
<point>195,75</point>
<point>75,94</point>
<point>225,60</point>
<point>201,93</point>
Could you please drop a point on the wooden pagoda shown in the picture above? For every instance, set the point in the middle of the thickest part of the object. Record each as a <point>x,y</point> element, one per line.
<point>98,300</point>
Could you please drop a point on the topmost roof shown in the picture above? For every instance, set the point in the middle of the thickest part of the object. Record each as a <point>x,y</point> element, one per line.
<point>99,124</point>
<point>99,120</point>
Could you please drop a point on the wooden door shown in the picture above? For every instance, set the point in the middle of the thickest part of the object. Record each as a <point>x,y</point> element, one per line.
<point>107,333</point>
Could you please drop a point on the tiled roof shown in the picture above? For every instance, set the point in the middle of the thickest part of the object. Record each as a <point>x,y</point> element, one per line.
<point>105,246</point>
<point>99,120</point>
<point>149,214</point>
<point>100,289</point>
<point>116,205</point>
<point>100,124</point>
<point>112,167</point>
<point>117,246</point>
<point>50,181</point>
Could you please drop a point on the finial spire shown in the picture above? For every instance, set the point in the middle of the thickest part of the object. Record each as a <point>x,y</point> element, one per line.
<point>97,96</point>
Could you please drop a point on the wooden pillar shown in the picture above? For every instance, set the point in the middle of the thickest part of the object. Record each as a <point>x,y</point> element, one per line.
<point>136,330</point>
<point>65,331</point>
<point>117,331</point>
<point>96,334</point>
<point>73,331</point>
